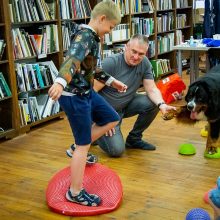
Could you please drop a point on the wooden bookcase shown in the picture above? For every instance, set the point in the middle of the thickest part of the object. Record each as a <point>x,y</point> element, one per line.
<point>9,107</point>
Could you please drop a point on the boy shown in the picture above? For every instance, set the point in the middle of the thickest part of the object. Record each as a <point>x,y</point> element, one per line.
<point>81,104</point>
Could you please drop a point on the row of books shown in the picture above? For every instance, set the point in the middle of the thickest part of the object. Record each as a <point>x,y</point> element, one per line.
<point>164,4</point>
<point>117,48</point>
<point>31,10</point>
<point>42,42</point>
<point>165,22</point>
<point>119,33</point>
<point>4,88</point>
<point>180,20</point>
<point>34,108</point>
<point>160,67</point>
<point>140,6</point>
<point>142,25</point>
<point>165,43</point>
<point>151,49</point>
<point>66,36</point>
<point>179,37</point>
<point>182,3</point>
<point>2,47</point>
<point>35,76</point>
<point>123,5</point>
<point>70,9</point>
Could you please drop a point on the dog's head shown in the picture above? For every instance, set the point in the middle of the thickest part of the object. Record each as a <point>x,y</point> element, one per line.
<point>202,99</point>
<point>197,99</point>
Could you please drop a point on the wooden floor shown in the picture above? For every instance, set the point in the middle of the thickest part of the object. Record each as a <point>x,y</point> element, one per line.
<point>157,185</point>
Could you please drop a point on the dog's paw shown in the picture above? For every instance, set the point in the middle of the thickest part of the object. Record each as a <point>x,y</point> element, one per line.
<point>211,150</point>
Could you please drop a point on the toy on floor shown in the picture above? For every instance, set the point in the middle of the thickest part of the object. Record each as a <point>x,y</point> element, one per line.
<point>187,149</point>
<point>204,131</point>
<point>206,196</point>
<point>98,179</point>
<point>198,214</point>
<point>214,200</point>
<point>214,194</point>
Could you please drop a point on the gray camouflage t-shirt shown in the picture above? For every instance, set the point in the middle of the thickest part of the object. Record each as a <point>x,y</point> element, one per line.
<point>132,76</point>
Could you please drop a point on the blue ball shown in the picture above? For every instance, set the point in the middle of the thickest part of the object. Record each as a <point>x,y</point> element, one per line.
<point>198,214</point>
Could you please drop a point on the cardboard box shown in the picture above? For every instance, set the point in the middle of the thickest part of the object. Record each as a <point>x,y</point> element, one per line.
<point>199,15</point>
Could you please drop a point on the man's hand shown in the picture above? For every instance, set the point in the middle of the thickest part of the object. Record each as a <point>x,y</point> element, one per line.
<point>110,133</point>
<point>55,91</point>
<point>120,86</point>
<point>164,108</point>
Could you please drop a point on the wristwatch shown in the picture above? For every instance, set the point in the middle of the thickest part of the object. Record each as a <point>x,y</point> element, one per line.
<point>160,103</point>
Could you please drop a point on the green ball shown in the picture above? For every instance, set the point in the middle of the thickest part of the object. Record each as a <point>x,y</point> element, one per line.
<point>187,149</point>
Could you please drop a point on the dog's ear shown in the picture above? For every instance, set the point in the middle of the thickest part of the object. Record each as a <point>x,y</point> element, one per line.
<point>191,90</point>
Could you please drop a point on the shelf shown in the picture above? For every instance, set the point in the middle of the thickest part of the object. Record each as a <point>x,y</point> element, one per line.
<point>170,51</point>
<point>143,12</point>
<point>170,31</point>
<point>35,57</point>
<point>60,114</point>
<point>3,61</point>
<point>74,19</point>
<point>164,11</point>
<point>10,133</point>
<point>23,24</point>
<point>186,27</point>
<point>5,98</point>
<point>186,8</point>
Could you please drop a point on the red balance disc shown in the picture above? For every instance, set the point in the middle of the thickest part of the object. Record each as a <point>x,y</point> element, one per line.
<point>98,179</point>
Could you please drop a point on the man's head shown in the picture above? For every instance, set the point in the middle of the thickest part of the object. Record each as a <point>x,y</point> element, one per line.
<point>105,16</point>
<point>136,49</point>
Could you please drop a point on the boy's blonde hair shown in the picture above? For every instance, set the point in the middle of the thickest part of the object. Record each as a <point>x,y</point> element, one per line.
<point>107,8</point>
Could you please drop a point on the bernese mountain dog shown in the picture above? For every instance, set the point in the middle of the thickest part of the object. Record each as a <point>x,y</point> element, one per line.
<point>203,103</point>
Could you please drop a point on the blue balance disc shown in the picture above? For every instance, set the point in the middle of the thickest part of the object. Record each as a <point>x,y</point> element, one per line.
<point>198,214</point>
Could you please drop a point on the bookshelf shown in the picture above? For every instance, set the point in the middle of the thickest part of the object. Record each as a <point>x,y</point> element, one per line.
<point>8,126</point>
<point>58,17</point>
<point>32,33</point>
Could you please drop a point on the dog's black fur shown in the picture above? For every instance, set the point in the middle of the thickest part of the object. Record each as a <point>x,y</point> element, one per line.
<point>203,103</point>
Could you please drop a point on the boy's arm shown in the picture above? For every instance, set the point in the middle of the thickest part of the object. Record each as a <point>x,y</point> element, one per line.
<point>97,85</point>
<point>78,50</point>
<point>77,53</point>
<point>109,80</point>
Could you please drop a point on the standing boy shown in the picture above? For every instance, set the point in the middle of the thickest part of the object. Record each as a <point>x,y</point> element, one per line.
<point>81,104</point>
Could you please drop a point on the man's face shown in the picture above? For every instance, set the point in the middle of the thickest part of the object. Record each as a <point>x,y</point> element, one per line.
<point>135,52</point>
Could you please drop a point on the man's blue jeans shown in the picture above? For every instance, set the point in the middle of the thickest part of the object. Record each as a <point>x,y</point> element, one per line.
<point>146,110</point>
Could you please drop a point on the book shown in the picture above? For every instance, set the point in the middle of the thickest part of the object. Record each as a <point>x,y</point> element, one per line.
<point>5,85</point>
<point>2,48</point>
<point>39,75</point>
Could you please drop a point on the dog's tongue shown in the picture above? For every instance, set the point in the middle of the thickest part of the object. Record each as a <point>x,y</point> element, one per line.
<point>193,115</point>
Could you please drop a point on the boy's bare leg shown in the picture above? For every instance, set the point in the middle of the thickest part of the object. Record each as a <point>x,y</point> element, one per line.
<point>98,131</point>
<point>79,157</point>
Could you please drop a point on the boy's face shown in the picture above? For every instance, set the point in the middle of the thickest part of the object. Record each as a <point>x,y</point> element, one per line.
<point>105,26</point>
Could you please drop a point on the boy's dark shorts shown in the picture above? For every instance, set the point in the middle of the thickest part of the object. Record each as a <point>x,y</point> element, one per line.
<point>82,111</point>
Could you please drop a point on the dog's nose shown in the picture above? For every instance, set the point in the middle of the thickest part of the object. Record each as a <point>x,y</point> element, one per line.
<point>190,106</point>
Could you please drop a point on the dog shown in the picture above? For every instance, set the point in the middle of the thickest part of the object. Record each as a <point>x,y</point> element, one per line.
<point>202,102</point>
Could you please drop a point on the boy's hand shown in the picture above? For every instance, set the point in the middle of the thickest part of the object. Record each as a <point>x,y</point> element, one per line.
<point>55,91</point>
<point>120,86</point>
